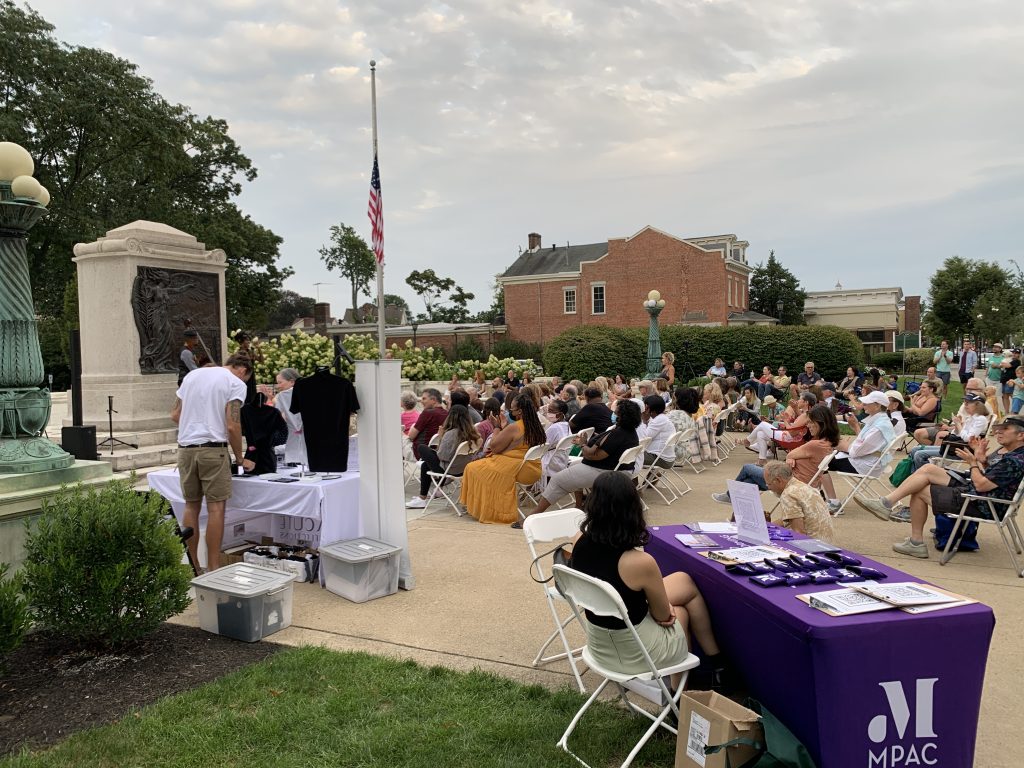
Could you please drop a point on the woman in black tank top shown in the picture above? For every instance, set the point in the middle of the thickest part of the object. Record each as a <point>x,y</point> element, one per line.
<point>607,549</point>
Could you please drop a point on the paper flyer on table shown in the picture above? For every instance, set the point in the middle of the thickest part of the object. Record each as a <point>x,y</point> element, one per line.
<point>747,554</point>
<point>696,540</point>
<point>712,527</point>
<point>751,525</point>
<point>843,602</point>
<point>904,593</point>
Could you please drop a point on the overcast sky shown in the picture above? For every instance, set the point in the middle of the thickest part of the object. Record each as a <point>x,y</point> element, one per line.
<point>863,141</point>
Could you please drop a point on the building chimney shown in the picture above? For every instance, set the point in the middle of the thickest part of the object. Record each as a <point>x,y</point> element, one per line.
<point>534,240</point>
<point>321,315</point>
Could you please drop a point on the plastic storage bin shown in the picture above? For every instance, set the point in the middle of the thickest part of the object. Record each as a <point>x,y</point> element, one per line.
<point>360,569</point>
<point>244,602</point>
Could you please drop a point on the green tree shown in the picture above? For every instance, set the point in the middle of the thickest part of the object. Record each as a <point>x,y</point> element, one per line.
<point>429,287</point>
<point>394,300</point>
<point>111,150</point>
<point>497,308</point>
<point>954,293</point>
<point>349,254</point>
<point>997,313</point>
<point>290,306</point>
<point>457,311</point>
<point>771,283</point>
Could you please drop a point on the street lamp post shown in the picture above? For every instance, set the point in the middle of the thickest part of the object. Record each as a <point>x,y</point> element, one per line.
<point>24,406</point>
<point>778,310</point>
<point>654,305</point>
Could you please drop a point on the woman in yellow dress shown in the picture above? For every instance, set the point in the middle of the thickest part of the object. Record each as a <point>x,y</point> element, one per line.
<point>488,484</point>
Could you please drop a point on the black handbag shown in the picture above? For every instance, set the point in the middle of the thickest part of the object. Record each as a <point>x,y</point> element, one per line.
<point>560,555</point>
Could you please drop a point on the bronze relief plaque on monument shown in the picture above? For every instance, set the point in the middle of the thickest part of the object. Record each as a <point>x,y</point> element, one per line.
<point>167,301</point>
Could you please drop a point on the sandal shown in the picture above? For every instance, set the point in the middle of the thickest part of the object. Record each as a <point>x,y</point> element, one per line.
<point>518,525</point>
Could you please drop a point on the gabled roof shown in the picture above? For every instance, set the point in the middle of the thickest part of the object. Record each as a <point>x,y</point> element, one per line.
<point>548,261</point>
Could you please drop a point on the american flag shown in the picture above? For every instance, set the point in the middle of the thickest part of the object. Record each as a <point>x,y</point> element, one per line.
<point>376,213</point>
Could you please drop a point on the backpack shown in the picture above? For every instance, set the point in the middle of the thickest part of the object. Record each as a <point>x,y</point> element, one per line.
<point>967,537</point>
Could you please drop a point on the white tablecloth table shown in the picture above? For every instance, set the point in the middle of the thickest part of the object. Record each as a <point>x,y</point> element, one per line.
<point>313,512</point>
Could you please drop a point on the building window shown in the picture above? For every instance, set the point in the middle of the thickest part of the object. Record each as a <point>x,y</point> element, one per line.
<point>871,337</point>
<point>730,293</point>
<point>569,295</point>
<point>597,299</point>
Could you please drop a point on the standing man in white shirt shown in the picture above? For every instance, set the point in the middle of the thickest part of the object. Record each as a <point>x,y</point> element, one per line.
<point>208,414</point>
<point>942,360</point>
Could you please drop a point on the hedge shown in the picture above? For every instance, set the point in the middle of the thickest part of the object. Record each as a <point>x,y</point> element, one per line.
<point>588,351</point>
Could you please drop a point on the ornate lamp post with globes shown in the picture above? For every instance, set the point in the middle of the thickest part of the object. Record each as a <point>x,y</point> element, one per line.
<point>654,305</point>
<point>24,407</point>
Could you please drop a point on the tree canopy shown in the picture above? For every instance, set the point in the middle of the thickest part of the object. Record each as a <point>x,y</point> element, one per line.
<point>111,150</point>
<point>973,298</point>
<point>771,283</point>
<point>349,254</point>
<point>289,307</point>
<point>431,287</point>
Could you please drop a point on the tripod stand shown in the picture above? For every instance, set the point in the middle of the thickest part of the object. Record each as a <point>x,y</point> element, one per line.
<point>111,441</point>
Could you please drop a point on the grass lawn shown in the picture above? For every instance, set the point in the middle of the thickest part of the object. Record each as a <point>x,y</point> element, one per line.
<point>313,707</point>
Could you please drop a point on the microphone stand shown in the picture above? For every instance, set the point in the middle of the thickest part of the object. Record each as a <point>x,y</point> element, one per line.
<point>111,441</point>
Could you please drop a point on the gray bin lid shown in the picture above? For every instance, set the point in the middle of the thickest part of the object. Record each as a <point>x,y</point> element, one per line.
<point>243,580</point>
<point>358,550</point>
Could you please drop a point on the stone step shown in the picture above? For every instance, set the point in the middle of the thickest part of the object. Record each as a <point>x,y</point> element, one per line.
<point>145,458</point>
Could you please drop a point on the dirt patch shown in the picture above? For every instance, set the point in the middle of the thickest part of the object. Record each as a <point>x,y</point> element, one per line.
<point>50,689</point>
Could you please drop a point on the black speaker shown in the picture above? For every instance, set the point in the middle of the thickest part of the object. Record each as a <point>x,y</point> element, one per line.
<point>80,442</point>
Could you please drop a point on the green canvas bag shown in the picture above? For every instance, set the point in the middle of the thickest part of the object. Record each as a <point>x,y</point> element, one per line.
<point>780,749</point>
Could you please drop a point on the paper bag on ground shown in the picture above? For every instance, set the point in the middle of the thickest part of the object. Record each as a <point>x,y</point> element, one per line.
<point>706,719</point>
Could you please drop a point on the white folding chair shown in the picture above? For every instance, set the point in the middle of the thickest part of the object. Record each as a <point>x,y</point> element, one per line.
<point>434,441</point>
<point>586,593</point>
<point>548,527</point>
<point>438,480</point>
<point>627,459</point>
<point>1007,525</point>
<point>685,437</point>
<point>662,479</point>
<point>523,490</point>
<point>868,485</point>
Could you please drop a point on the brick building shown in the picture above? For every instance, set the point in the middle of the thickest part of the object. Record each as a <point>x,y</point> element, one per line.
<point>704,281</point>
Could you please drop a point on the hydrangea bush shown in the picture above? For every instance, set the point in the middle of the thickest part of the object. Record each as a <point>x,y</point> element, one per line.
<point>304,352</point>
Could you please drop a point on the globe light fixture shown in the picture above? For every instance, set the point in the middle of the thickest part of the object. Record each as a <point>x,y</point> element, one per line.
<point>653,305</point>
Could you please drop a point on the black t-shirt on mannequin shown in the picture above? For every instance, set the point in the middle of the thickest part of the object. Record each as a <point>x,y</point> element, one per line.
<point>325,402</point>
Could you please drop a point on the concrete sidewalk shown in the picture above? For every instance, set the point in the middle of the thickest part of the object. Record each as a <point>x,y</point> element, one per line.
<point>474,605</point>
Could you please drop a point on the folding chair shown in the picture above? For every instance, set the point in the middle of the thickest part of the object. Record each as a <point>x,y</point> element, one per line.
<point>868,485</point>
<point>548,527</point>
<point>1008,528</point>
<point>587,593</point>
<point>533,454</point>
<point>908,436</point>
<point>685,437</point>
<point>659,478</point>
<point>439,479</point>
<point>627,463</point>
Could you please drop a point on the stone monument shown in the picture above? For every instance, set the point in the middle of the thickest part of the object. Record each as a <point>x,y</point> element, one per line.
<point>139,288</point>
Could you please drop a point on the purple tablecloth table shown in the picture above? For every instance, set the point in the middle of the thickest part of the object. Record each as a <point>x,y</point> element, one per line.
<point>876,690</point>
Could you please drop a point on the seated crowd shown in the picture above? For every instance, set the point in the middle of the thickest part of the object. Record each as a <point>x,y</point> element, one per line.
<point>598,421</point>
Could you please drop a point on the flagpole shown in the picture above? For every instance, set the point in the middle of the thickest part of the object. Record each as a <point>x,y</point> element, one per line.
<point>381,340</point>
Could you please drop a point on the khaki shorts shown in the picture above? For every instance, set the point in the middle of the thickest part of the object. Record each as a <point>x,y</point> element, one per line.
<point>205,472</point>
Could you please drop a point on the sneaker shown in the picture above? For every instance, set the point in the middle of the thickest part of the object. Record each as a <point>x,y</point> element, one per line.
<point>722,498</point>
<point>901,515</point>
<point>835,507</point>
<point>416,503</point>
<point>907,547</point>
<point>875,507</point>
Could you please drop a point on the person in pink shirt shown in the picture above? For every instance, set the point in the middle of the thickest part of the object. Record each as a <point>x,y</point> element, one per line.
<point>409,414</point>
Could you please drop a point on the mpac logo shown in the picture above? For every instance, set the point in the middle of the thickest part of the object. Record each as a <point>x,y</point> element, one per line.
<point>910,750</point>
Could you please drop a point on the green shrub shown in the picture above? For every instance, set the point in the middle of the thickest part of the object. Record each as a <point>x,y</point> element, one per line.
<point>589,351</point>
<point>15,618</point>
<point>517,350</point>
<point>103,566</point>
<point>919,360</point>
<point>468,350</point>
<point>891,362</point>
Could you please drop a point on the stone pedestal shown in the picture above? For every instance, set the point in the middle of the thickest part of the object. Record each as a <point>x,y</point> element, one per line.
<point>139,288</point>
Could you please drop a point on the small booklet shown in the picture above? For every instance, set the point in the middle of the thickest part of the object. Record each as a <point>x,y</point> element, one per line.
<point>712,527</point>
<point>843,602</point>
<point>696,540</point>
<point>814,545</point>
<point>746,554</point>
<point>905,593</point>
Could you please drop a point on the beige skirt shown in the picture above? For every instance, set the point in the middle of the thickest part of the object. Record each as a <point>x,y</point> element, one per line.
<point>616,649</point>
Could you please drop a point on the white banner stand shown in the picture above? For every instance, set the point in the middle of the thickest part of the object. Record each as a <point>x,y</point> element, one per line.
<point>381,476</point>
